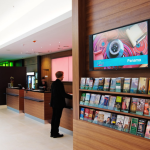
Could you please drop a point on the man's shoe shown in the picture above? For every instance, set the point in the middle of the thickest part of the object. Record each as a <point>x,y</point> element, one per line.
<point>58,135</point>
<point>51,135</point>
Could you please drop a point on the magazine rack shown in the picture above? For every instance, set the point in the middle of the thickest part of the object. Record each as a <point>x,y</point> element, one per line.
<point>89,17</point>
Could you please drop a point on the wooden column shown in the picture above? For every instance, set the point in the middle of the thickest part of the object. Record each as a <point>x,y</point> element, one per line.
<point>89,17</point>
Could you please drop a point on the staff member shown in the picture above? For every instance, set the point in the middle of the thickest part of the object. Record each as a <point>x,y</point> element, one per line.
<point>44,84</point>
<point>58,96</point>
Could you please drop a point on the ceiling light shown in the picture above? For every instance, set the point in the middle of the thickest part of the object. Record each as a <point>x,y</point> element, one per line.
<point>41,47</point>
<point>59,42</point>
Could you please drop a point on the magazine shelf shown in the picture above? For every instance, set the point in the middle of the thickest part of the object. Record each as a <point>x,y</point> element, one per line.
<point>116,93</point>
<point>117,112</point>
<point>111,130</point>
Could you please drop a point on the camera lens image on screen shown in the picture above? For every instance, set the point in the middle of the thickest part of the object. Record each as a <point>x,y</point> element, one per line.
<point>125,47</point>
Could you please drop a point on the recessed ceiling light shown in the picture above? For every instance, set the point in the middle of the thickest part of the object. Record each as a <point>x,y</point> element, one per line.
<point>59,42</point>
<point>49,44</point>
<point>41,47</point>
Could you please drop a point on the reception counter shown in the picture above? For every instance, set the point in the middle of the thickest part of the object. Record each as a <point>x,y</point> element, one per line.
<point>36,106</point>
<point>67,116</point>
<point>14,99</point>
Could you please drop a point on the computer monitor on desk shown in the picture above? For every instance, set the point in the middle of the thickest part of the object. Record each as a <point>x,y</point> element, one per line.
<point>20,86</point>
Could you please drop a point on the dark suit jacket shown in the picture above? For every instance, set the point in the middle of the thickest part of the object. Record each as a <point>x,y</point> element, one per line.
<point>58,95</point>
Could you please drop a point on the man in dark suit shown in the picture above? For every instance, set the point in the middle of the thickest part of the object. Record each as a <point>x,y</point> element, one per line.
<point>58,96</point>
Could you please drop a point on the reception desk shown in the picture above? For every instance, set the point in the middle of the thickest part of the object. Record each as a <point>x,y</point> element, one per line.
<point>36,106</point>
<point>14,99</point>
<point>67,116</point>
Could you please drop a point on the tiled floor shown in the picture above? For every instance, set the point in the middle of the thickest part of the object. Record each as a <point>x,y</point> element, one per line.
<point>18,132</point>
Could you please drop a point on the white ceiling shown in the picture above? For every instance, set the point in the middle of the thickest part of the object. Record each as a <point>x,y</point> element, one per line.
<point>46,22</point>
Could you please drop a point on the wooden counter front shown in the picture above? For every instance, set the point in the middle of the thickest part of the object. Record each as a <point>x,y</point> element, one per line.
<point>39,109</point>
<point>67,119</point>
<point>14,98</point>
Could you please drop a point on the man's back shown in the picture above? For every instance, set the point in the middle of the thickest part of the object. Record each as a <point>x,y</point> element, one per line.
<point>57,94</point>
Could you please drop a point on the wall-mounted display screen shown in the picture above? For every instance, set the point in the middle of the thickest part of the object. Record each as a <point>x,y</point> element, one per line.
<point>125,47</point>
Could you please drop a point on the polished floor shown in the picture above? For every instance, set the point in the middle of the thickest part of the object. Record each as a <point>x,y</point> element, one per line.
<point>18,132</point>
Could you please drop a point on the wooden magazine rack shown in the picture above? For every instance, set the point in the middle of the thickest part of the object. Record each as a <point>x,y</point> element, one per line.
<point>89,17</point>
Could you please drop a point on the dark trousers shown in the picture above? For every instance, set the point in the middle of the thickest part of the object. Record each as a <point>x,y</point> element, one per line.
<point>57,112</point>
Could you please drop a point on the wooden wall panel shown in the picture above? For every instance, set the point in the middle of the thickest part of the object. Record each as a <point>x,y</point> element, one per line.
<point>67,119</point>
<point>90,17</point>
<point>78,50</point>
<point>91,136</point>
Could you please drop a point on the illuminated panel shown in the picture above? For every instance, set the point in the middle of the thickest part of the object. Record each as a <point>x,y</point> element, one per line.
<point>60,64</point>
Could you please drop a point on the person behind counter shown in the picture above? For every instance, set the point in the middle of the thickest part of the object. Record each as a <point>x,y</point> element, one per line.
<point>58,96</point>
<point>43,84</point>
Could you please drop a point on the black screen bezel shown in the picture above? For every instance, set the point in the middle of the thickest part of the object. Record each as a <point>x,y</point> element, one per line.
<point>91,67</point>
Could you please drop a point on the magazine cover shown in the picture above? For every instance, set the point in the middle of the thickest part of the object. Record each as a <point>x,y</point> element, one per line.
<point>147,133</point>
<point>101,104</point>
<point>118,84</point>
<point>101,117</point>
<point>106,101</point>
<point>133,106</point>
<point>118,103</point>
<point>91,115</point>
<point>126,87</point>
<point>107,119</point>
<point>82,100</point>
<point>134,125</point>
<point>92,99</point>
<point>119,122</point>
<point>91,83</point>
<point>86,113</point>
<point>140,106</point>
<point>87,83</point>
<point>101,84</point>
<point>82,114</point>
<point>112,102</point>
<point>96,83</point>
<point>113,120</point>
<point>134,85</point>
<point>147,107</point>
<point>141,127</point>
<point>143,82</point>
<point>82,84</point>
<point>107,83</point>
<point>96,117</point>
<point>126,124</point>
<point>113,85</point>
<point>87,99</point>
<point>125,104</point>
<point>97,100</point>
